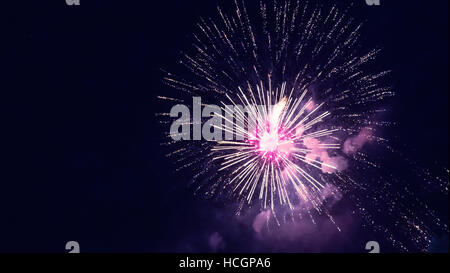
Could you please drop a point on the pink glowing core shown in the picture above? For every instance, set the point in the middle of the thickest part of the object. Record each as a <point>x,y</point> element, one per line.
<point>272,144</point>
<point>271,140</point>
<point>268,142</point>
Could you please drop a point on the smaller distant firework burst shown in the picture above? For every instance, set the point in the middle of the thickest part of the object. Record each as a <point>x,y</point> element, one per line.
<point>312,101</point>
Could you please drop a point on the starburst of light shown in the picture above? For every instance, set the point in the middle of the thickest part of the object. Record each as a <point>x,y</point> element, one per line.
<point>271,156</point>
<point>322,102</point>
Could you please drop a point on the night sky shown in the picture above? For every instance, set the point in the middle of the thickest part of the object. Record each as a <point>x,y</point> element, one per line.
<point>81,157</point>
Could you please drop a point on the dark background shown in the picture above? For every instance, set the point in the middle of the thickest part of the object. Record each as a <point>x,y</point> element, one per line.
<point>80,153</point>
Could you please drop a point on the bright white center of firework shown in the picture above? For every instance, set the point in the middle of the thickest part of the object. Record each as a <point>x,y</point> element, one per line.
<point>269,142</point>
<point>273,144</point>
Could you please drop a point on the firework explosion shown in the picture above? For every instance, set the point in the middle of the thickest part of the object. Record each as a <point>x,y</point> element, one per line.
<point>314,102</point>
<point>270,156</point>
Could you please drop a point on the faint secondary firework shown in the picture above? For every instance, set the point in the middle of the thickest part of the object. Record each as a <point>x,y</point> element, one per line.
<point>323,100</point>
